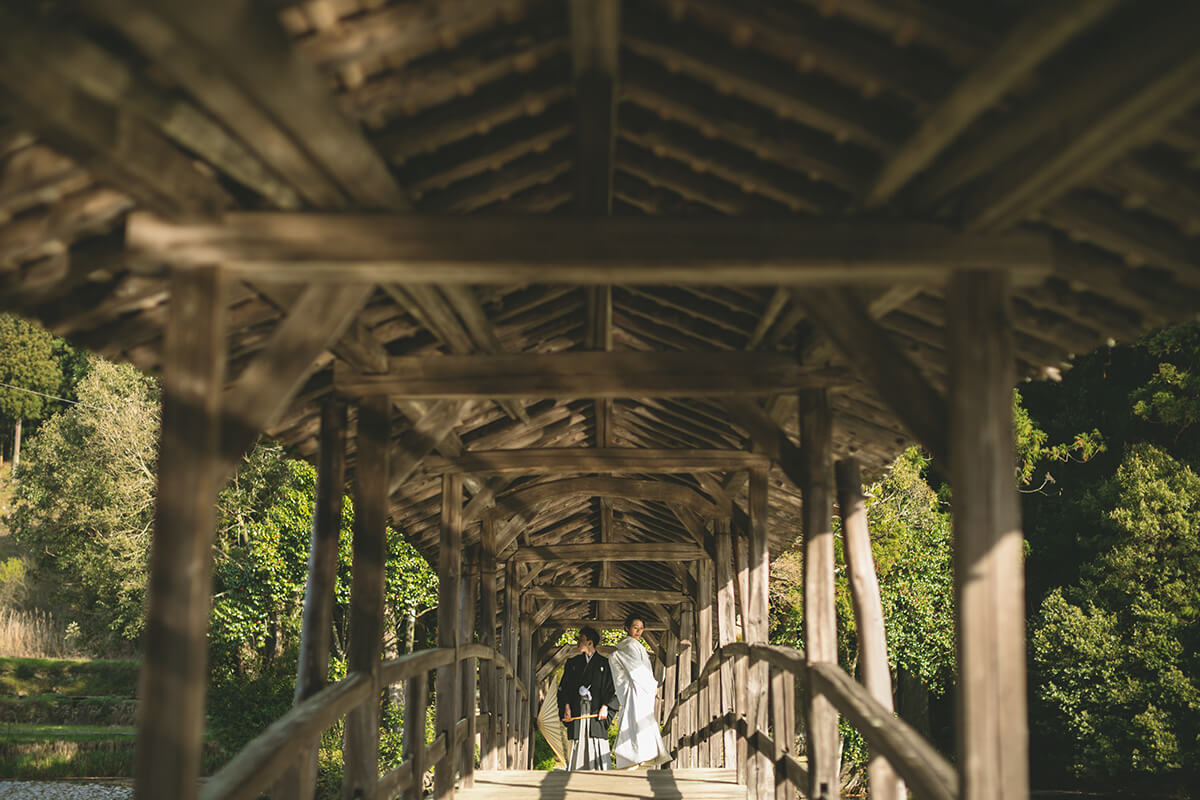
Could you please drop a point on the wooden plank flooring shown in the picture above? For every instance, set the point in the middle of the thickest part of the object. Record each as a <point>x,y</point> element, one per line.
<point>659,784</point>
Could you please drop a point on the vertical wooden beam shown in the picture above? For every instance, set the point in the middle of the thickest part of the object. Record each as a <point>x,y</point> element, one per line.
<point>360,743</point>
<point>783,725</point>
<point>416,701</point>
<point>491,676</point>
<point>993,732</point>
<point>510,643</point>
<point>760,778</point>
<point>687,715</point>
<point>868,614</point>
<point>726,633</point>
<point>709,706</point>
<point>741,665</point>
<point>316,625</point>
<point>820,623</point>
<point>595,49</point>
<point>468,601</point>
<point>528,675</point>
<point>449,577</point>
<point>174,669</point>
<point>670,684</point>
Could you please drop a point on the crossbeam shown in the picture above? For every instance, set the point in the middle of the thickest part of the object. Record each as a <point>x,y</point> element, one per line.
<point>610,459</point>
<point>612,551</point>
<point>570,375</point>
<point>383,248</point>
<point>617,594</point>
<point>603,624</point>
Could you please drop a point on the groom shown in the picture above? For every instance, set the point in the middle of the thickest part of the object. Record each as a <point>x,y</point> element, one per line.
<point>587,689</point>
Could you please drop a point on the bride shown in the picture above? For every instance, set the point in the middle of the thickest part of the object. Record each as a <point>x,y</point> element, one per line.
<point>638,740</point>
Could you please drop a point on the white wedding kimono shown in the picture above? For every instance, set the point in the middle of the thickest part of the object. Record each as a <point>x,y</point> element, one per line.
<point>638,739</point>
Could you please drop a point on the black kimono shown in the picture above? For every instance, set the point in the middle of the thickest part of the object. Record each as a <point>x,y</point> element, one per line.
<point>597,676</point>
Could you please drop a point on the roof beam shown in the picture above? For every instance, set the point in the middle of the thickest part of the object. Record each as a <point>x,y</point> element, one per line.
<point>619,594</point>
<point>612,551</point>
<point>603,624</point>
<point>1030,41</point>
<point>624,374</point>
<point>595,45</point>
<point>610,460</point>
<point>386,249</point>
<point>673,493</point>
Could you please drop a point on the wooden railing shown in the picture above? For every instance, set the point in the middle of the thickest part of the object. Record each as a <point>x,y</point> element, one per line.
<point>261,762</point>
<point>925,770</point>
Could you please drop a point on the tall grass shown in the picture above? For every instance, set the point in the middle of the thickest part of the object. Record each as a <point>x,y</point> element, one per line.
<point>32,634</point>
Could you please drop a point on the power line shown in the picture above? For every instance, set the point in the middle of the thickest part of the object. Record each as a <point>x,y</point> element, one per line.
<point>49,396</point>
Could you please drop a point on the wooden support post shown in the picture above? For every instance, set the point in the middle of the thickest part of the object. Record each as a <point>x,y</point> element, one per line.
<point>510,644</point>
<point>993,729</point>
<point>449,577</point>
<point>726,633</point>
<point>783,726</point>
<point>491,677</point>
<point>528,676</point>
<point>687,708</point>
<point>360,744</point>
<point>468,601</point>
<point>709,705</point>
<point>820,623</point>
<point>416,701</point>
<point>760,778</point>
<point>316,627</point>
<point>868,614</point>
<point>670,685</point>
<point>174,668</point>
<point>741,665</point>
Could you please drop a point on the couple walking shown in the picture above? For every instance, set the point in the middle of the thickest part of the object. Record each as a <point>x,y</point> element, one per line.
<point>594,688</point>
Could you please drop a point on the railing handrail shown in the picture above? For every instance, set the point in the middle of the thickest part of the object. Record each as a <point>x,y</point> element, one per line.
<point>265,758</point>
<point>252,771</point>
<point>925,770</point>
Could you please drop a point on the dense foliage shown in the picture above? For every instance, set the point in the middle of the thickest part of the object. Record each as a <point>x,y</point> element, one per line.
<point>28,360</point>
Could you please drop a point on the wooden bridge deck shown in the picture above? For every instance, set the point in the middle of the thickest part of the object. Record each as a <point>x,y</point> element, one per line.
<point>659,784</point>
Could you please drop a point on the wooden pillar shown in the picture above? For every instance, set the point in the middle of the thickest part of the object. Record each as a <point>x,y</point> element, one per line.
<point>760,774</point>
<point>528,675</point>
<point>491,678</point>
<point>449,577</point>
<point>820,623</point>
<point>993,732</point>
<point>670,687</point>
<point>312,674</point>
<point>783,726</point>
<point>416,703</point>
<point>510,643</point>
<point>174,668</point>
<point>741,664</point>
<point>360,743</point>
<point>868,614</point>
<point>709,705</point>
<point>468,602</point>
<point>687,708</point>
<point>726,633</point>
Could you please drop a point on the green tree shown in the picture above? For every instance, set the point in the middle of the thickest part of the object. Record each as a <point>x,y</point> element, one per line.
<point>1117,656</point>
<point>29,369</point>
<point>84,501</point>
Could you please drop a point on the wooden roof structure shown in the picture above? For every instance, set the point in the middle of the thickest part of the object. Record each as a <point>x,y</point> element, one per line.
<point>536,225</point>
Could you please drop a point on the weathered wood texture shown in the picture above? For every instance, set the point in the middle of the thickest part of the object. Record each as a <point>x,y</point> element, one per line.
<point>490,676</point>
<point>595,27</point>
<point>709,750</point>
<point>174,668</point>
<point>726,634</point>
<point>571,375</point>
<point>468,600</point>
<point>316,626</point>
<point>600,459</point>
<point>632,251</point>
<point>760,778</point>
<point>449,576</point>
<point>614,551</point>
<point>868,614</point>
<point>820,622</point>
<point>360,745</point>
<point>681,784</point>
<point>988,556</point>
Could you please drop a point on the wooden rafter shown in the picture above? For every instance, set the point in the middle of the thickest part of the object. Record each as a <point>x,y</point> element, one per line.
<point>1030,41</point>
<point>590,252</point>
<point>624,488</point>
<point>886,368</point>
<point>623,374</point>
<point>611,460</point>
<point>614,551</point>
<point>618,594</point>
<point>595,47</point>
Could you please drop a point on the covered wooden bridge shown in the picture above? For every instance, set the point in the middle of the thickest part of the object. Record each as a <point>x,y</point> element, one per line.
<point>589,301</point>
